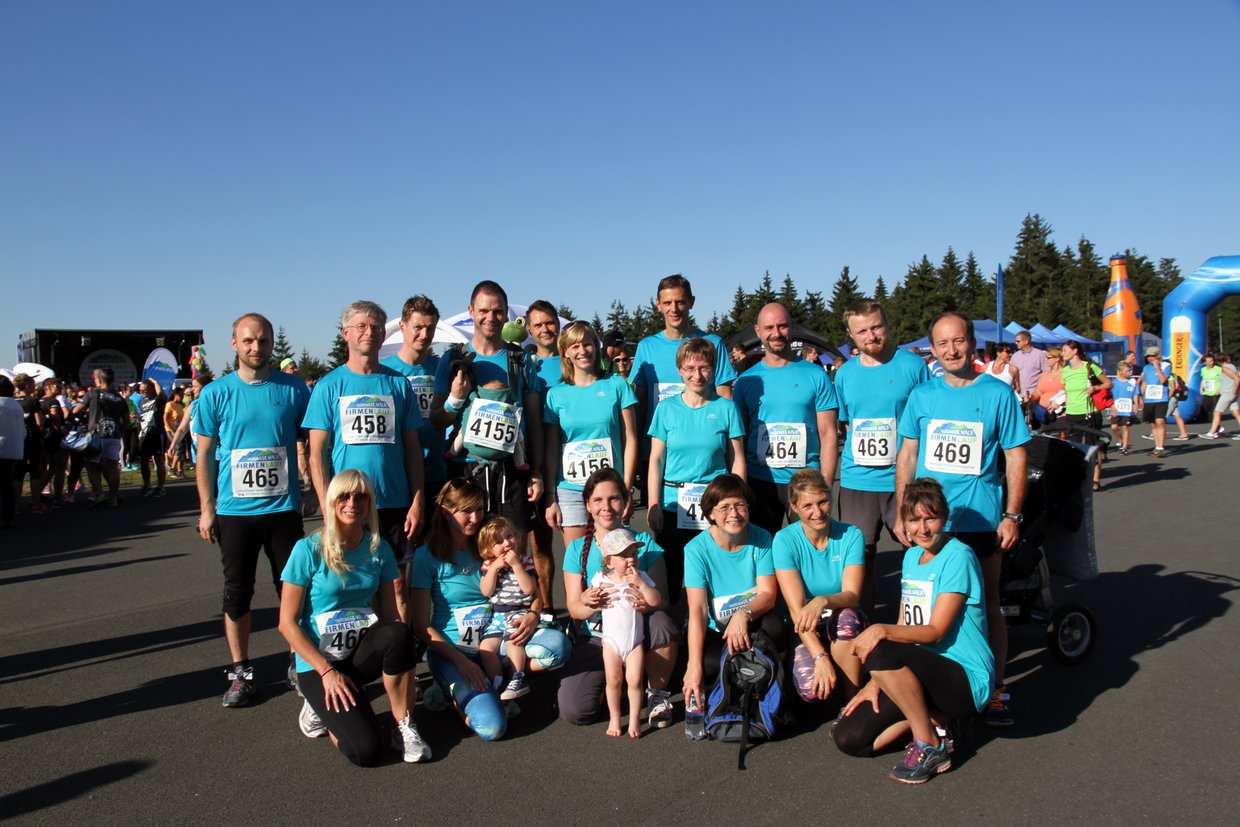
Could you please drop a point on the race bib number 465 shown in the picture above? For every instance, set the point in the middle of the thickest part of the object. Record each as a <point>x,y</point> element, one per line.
<point>368,419</point>
<point>954,447</point>
<point>259,472</point>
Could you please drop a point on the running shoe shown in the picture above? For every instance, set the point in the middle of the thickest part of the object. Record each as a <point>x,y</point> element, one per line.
<point>408,741</point>
<point>159,492</point>
<point>518,687</point>
<point>1184,438</point>
<point>41,508</point>
<point>998,714</point>
<point>660,709</point>
<point>309,722</point>
<point>921,763</point>
<point>1235,439</point>
<point>241,687</point>
<point>1158,452</point>
<point>145,492</point>
<point>1123,451</point>
<point>1209,435</point>
<point>1150,437</point>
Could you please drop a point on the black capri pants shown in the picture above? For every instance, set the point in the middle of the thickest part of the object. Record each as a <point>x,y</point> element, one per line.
<point>944,681</point>
<point>386,649</point>
<point>241,541</point>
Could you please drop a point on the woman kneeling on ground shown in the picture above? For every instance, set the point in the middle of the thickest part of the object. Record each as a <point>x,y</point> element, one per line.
<point>582,687</point>
<point>935,663</point>
<point>729,584</point>
<point>329,582</point>
<point>820,566</point>
<point>452,615</point>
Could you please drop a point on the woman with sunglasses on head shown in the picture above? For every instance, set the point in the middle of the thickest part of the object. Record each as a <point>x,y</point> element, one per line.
<point>330,583</point>
<point>451,614</point>
<point>580,696</point>
<point>729,585</point>
<point>590,422</point>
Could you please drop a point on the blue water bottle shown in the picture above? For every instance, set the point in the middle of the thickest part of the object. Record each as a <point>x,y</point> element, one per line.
<point>695,727</point>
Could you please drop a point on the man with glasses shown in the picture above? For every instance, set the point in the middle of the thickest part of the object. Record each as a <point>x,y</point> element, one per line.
<point>367,416</point>
<point>249,494</point>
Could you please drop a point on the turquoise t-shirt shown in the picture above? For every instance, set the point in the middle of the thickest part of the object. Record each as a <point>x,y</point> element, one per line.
<point>550,373</point>
<point>696,440</point>
<point>327,591</point>
<point>960,433</point>
<point>492,368</point>
<point>456,593</point>
<point>590,425</point>
<point>255,431</point>
<point>780,408</point>
<point>650,552</point>
<point>366,417</point>
<point>953,570</point>
<point>422,383</point>
<point>871,401</point>
<point>654,368</point>
<point>730,578</point>
<point>822,572</point>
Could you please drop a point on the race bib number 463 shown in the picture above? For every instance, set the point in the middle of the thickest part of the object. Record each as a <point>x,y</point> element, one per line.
<point>954,447</point>
<point>873,442</point>
<point>368,419</point>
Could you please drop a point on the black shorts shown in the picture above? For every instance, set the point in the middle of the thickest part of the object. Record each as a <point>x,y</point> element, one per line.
<point>1153,411</point>
<point>505,485</point>
<point>868,511</point>
<point>392,529</point>
<point>771,504</point>
<point>984,543</point>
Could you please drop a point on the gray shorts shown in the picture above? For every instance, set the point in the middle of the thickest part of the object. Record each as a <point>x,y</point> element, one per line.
<point>109,449</point>
<point>868,511</point>
<point>1225,402</point>
<point>572,506</point>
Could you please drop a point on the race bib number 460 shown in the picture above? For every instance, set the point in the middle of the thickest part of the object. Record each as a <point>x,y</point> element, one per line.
<point>341,630</point>
<point>259,472</point>
<point>368,419</point>
<point>916,601</point>
<point>954,447</point>
<point>873,442</point>
<point>782,444</point>
<point>585,456</point>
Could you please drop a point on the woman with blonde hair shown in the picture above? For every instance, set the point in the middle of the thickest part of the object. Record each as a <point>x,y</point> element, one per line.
<point>329,586</point>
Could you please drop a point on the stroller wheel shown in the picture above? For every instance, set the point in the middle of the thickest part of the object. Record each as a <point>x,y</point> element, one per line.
<point>1072,633</point>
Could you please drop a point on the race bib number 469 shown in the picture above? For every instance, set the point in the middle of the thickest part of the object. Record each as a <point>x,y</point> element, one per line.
<point>954,447</point>
<point>368,419</point>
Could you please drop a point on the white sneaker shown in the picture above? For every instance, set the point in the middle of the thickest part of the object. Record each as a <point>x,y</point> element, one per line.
<point>1147,436</point>
<point>1184,438</point>
<point>408,741</point>
<point>1209,435</point>
<point>310,724</point>
<point>518,687</point>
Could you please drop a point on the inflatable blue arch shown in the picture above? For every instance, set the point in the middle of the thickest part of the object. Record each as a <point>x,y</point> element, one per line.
<point>1185,311</point>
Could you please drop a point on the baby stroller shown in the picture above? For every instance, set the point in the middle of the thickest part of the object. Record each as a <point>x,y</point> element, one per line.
<point>1057,534</point>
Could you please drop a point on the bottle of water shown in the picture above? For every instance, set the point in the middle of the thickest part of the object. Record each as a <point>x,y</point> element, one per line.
<point>695,727</point>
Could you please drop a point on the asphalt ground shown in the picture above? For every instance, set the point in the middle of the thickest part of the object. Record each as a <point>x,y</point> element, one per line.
<point>111,672</point>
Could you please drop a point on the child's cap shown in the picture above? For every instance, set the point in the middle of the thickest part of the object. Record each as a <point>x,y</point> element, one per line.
<point>617,541</point>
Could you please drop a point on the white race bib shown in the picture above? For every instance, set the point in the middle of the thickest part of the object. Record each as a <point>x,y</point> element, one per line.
<point>689,506</point>
<point>423,388</point>
<point>667,389</point>
<point>259,472</point>
<point>1209,387</point>
<point>916,601</point>
<point>729,604</point>
<point>1153,393</point>
<point>954,447</point>
<point>368,419</point>
<point>873,442</point>
<point>341,630</point>
<point>493,425</point>
<point>782,444</point>
<point>585,456</point>
<point>471,622</point>
<point>1123,406</point>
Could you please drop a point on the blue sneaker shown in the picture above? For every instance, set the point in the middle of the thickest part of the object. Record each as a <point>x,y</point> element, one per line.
<point>998,713</point>
<point>921,762</point>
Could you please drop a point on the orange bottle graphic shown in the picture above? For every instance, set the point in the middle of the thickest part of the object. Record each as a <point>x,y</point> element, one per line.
<point>1121,315</point>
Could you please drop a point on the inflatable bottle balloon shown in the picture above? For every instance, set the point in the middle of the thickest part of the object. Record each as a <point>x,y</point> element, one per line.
<point>1121,315</point>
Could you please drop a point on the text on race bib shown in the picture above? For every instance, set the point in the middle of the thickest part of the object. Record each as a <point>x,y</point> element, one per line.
<point>1153,393</point>
<point>727,605</point>
<point>1209,387</point>
<point>423,388</point>
<point>471,624</point>
<point>1123,406</point>
<point>259,472</point>
<point>368,419</point>
<point>668,389</point>
<point>689,506</point>
<point>916,601</point>
<point>493,425</point>
<point>873,442</point>
<point>782,444</point>
<point>585,456</point>
<point>341,630</point>
<point>954,447</point>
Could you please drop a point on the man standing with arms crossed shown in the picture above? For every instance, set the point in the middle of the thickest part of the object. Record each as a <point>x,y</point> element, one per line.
<point>250,502</point>
<point>367,416</point>
<point>873,388</point>
<point>953,430</point>
<point>789,407</point>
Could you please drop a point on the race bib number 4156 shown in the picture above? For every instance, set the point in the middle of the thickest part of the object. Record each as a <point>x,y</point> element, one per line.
<point>954,447</point>
<point>368,419</point>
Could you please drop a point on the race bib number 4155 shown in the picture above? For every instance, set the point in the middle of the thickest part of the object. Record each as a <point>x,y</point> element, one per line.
<point>954,447</point>
<point>368,419</point>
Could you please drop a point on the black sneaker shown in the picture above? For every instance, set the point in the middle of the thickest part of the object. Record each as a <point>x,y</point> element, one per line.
<point>921,763</point>
<point>241,688</point>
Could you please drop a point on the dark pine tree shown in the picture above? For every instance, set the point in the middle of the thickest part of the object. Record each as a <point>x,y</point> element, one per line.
<point>339,353</point>
<point>845,292</point>
<point>880,290</point>
<point>282,349</point>
<point>951,279</point>
<point>977,290</point>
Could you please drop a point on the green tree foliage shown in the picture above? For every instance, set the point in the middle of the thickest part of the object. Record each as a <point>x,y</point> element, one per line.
<point>339,353</point>
<point>310,368</point>
<point>282,349</point>
<point>880,290</point>
<point>1032,272</point>
<point>951,282</point>
<point>845,292</point>
<point>914,302</point>
<point>977,291</point>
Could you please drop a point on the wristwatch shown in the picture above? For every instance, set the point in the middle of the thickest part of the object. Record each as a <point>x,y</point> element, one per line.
<point>1016,518</point>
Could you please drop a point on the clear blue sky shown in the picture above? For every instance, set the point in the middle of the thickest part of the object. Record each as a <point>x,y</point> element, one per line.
<point>181,162</point>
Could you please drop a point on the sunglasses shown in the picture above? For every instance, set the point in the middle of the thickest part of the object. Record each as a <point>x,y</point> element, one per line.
<point>354,496</point>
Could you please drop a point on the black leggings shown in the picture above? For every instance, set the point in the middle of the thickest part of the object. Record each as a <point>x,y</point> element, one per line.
<point>242,539</point>
<point>387,649</point>
<point>944,681</point>
<point>713,646</point>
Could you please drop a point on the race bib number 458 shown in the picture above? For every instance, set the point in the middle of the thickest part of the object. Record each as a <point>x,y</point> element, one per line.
<point>954,447</point>
<point>368,419</point>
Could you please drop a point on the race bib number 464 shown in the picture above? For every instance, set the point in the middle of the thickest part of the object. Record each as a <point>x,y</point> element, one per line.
<point>954,447</point>
<point>368,419</point>
<point>782,444</point>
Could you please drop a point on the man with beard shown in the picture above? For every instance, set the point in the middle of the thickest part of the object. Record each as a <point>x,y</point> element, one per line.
<point>873,389</point>
<point>789,408</point>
